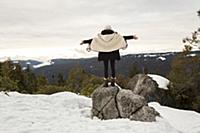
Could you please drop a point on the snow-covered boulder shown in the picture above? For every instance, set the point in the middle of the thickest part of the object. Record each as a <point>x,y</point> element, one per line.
<point>143,85</point>
<point>161,93</point>
<point>161,81</point>
<point>152,87</point>
<point>113,102</point>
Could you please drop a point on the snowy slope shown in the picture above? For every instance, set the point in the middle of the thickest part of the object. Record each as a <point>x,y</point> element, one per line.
<point>182,120</point>
<point>70,113</point>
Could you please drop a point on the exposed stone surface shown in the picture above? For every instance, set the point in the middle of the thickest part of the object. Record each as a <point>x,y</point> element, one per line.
<point>142,85</point>
<point>112,103</point>
<point>128,103</point>
<point>104,103</point>
<point>145,113</point>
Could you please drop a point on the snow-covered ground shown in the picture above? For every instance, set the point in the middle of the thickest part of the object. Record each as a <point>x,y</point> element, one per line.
<point>182,120</point>
<point>70,113</point>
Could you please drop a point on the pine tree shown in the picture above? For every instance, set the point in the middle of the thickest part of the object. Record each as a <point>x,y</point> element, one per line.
<point>61,81</point>
<point>1,74</point>
<point>7,68</point>
<point>6,84</point>
<point>194,40</point>
<point>41,80</point>
<point>30,83</point>
<point>185,76</point>
<point>75,79</point>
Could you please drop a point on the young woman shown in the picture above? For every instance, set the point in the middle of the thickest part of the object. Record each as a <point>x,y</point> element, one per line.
<point>108,43</point>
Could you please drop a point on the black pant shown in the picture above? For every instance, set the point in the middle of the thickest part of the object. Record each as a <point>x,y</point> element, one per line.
<point>112,64</point>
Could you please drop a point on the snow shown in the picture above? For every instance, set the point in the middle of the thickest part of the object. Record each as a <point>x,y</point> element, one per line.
<point>150,55</point>
<point>28,63</point>
<point>24,68</point>
<point>161,81</point>
<point>161,58</point>
<point>70,113</point>
<point>191,55</point>
<point>182,120</point>
<point>43,64</point>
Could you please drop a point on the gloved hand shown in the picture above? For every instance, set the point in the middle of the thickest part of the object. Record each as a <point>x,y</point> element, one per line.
<point>88,49</point>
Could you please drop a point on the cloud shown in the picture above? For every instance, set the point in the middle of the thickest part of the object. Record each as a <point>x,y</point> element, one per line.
<point>53,23</point>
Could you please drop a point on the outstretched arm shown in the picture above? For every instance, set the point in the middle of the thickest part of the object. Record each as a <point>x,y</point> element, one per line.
<point>86,41</point>
<point>130,37</point>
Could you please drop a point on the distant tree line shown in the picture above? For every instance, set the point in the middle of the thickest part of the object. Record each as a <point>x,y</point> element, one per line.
<point>184,90</point>
<point>14,78</point>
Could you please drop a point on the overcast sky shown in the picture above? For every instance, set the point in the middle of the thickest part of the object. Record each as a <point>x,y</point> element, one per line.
<point>29,25</point>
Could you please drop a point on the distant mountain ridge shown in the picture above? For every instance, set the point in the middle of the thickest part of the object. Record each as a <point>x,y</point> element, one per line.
<point>157,63</point>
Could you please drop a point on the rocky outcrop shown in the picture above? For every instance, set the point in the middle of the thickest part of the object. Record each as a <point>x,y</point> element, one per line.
<point>146,113</point>
<point>112,103</point>
<point>128,103</point>
<point>142,85</point>
<point>104,103</point>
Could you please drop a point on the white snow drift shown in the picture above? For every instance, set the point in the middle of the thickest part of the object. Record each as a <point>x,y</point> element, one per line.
<point>161,81</point>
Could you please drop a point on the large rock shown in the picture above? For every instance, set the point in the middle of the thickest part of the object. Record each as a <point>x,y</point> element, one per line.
<point>145,113</point>
<point>128,103</point>
<point>104,103</point>
<point>142,85</point>
<point>112,103</point>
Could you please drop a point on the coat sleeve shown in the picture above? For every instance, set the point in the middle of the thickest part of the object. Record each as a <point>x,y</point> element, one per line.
<point>128,37</point>
<point>87,41</point>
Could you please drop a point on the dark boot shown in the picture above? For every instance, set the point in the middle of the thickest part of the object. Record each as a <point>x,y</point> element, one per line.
<point>113,80</point>
<point>105,82</point>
